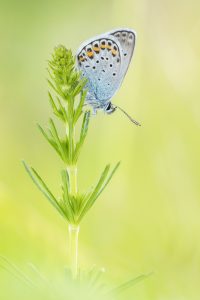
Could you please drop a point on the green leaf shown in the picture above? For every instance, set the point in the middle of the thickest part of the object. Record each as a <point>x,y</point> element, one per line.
<point>62,110</point>
<point>79,108</point>
<point>83,134</point>
<point>85,123</point>
<point>79,87</point>
<point>109,178</point>
<point>43,188</point>
<point>59,143</point>
<point>92,195</point>
<point>128,284</point>
<point>58,87</point>
<point>67,210</point>
<point>52,86</point>
<point>54,107</point>
<point>56,111</point>
<point>65,180</point>
<point>66,197</point>
<point>94,276</point>
<point>97,190</point>
<point>15,271</point>
<point>50,140</point>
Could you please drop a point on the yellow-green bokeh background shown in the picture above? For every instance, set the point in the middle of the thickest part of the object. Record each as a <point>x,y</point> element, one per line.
<point>148,219</point>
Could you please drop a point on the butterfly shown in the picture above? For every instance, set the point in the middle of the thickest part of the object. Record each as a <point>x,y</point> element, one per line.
<point>104,61</point>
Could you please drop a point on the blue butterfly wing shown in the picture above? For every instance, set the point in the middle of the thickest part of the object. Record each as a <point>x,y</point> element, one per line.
<point>100,61</point>
<point>126,38</point>
<point>104,61</point>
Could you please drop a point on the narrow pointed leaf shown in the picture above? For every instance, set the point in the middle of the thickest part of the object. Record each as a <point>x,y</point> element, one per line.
<point>92,197</point>
<point>67,203</point>
<point>62,109</point>
<point>58,141</point>
<point>79,87</point>
<point>108,179</point>
<point>83,134</point>
<point>65,180</point>
<point>104,180</point>
<point>15,271</point>
<point>67,210</point>
<point>54,108</point>
<point>43,188</point>
<point>52,86</point>
<point>79,108</point>
<point>50,140</point>
<point>128,284</point>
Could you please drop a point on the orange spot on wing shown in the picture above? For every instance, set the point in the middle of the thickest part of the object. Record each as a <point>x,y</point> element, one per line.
<point>90,54</point>
<point>96,49</point>
<point>114,52</point>
<point>103,46</point>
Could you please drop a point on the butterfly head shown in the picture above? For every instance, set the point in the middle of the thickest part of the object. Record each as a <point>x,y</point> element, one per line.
<point>109,108</point>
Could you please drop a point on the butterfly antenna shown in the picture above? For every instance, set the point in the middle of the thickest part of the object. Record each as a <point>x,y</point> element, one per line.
<point>130,118</point>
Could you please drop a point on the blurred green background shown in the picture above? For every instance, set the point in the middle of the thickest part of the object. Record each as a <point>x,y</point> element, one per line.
<point>148,219</point>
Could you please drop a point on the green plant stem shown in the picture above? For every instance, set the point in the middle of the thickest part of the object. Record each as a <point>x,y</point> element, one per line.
<point>73,248</point>
<point>73,229</point>
<point>72,172</point>
<point>71,140</point>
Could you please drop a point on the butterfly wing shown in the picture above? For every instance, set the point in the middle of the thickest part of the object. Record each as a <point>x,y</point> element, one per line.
<point>104,61</point>
<point>126,38</point>
<point>100,60</point>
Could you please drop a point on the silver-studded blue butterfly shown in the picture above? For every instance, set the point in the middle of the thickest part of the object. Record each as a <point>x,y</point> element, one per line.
<point>104,61</point>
